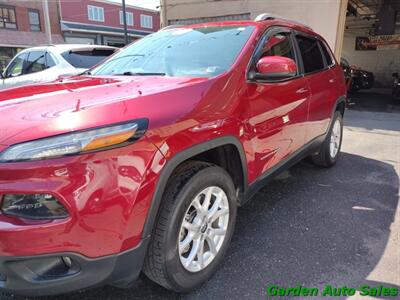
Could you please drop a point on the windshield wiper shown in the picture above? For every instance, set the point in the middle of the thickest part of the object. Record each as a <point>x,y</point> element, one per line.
<point>141,74</point>
<point>87,72</point>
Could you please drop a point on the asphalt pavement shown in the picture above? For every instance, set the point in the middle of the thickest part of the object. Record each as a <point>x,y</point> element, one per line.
<point>310,226</point>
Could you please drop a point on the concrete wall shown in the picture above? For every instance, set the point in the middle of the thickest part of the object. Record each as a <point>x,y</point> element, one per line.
<point>321,15</point>
<point>382,63</point>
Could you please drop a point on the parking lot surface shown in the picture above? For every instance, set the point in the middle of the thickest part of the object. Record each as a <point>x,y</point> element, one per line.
<point>310,226</point>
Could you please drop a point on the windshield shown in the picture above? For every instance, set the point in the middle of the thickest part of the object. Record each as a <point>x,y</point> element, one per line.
<point>186,52</point>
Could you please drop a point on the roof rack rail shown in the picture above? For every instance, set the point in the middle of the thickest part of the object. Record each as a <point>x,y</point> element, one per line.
<point>267,16</point>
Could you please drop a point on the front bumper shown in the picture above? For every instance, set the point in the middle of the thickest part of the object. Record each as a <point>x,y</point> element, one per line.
<point>49,274</point>
<point>107,195</point>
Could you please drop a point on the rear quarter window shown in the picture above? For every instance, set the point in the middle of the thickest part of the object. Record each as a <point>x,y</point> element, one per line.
<point>311,54</point>
<point>327,54</point>
<point>86,59</point>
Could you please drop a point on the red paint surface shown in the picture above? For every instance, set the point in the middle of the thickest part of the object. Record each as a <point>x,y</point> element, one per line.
<point>276,64</point>
<point>108,193</point>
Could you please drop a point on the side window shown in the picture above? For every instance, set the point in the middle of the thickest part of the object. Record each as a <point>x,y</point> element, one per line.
<point>17,66</point>
<point>49,60</point>
<point>312,56</point>
<point>279,44</point>
<point>327,54</point>
<point>36,62</point>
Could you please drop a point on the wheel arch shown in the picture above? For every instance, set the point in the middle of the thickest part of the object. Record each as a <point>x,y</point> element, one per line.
<point>196,152</point>
<point>340,105</point>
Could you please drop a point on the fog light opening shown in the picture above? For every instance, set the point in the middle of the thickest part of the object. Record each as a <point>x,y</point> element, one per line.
<point>33,206</point>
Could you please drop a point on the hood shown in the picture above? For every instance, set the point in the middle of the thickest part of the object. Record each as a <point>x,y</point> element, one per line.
<point>82,102</point>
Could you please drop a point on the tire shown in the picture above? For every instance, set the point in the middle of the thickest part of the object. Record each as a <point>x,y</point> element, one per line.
<point>164,263</point>
<point>326,158</point>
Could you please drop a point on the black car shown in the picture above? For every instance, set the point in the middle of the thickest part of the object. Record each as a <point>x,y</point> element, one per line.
<point>360,79</point>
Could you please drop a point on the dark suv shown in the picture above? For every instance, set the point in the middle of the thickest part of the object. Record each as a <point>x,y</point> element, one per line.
<point>140,164</point>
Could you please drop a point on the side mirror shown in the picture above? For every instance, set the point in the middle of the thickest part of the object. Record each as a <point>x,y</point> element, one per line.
<point>274,68</point>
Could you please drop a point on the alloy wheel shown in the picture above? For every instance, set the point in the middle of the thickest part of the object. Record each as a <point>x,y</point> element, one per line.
<point>335,139</point>
<point>203,229</point>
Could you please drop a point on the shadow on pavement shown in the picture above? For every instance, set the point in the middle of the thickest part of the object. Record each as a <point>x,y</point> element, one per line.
<point>312,227</point>
<point>372,121</point>
<point>379,100</point>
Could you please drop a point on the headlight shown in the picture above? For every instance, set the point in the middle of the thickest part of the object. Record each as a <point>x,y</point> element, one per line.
<point>77,142</point>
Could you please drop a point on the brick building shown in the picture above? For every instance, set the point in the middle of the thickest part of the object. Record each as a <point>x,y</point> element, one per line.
<point>22,26</point>
<point>101,22</point>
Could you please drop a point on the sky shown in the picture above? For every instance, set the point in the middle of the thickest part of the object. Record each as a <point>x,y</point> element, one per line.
<point>152,4</point>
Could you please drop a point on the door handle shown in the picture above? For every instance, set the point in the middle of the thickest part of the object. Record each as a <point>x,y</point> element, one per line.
<point>332,80</point>
<point>302,91</point>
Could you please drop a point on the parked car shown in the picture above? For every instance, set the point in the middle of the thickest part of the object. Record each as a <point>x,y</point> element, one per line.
<point>140,164</point>
<point>346,72</point>
<point>356,78</point>
<point>47,63</point>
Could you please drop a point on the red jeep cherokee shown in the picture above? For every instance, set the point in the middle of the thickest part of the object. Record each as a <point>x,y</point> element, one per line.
<point>141,163</point>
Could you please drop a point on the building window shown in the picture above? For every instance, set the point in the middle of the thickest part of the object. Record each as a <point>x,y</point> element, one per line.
<point>7,17</point>
<point>96,13</point>
<point>34,19</point>
<point>146,21</point>
<point>129,18</point>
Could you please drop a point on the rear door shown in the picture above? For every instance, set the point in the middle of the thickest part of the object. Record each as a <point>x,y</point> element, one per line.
<point>321,81</point>
<point>278,109</point>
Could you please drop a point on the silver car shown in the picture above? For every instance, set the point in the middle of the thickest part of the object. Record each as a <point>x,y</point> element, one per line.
<point>47,63</point>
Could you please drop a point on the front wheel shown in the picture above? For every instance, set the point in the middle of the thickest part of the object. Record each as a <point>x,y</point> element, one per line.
<point>194,227</point>
<point>330,148</point>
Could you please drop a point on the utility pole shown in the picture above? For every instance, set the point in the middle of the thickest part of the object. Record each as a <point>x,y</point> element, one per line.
<point>164,18</point>
<point>125,25</point>
<point>47,21</point>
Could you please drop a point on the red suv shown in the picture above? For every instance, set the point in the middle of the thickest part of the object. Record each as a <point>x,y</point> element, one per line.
<point>141,163</point>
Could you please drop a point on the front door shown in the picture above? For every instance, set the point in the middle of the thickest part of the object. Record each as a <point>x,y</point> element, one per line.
<point>278,110</point>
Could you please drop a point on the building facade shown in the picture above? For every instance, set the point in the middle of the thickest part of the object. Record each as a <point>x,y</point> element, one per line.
<point>326,17</point>
<point>101,22</point>
<point>22,26</point>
